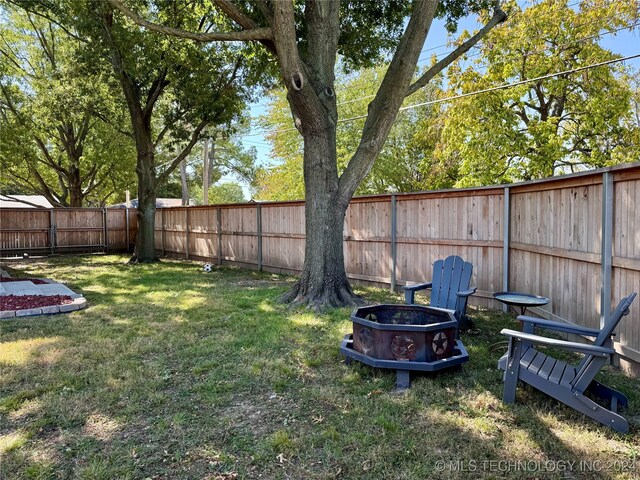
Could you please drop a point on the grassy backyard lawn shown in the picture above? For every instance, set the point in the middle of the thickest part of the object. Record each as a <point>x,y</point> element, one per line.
<point>174,373</point>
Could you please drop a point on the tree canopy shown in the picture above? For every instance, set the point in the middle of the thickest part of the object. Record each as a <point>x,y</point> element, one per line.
<point>173,90</point>
<point>566,122</point>
<point>56,140</point>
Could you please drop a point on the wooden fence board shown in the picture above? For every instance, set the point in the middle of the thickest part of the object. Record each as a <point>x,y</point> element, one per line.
<point>24,231</point>
<point>626,261</point>
<point>203,233</point>
<point>79,228</point>
<point>239,230</point>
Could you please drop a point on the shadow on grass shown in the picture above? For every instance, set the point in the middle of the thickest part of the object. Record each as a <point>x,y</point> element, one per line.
<point>178,374</point>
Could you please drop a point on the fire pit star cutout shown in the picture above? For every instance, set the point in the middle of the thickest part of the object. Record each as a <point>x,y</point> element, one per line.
<point>440,343</point>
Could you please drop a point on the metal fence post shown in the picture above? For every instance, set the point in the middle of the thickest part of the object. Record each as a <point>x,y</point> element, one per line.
<point>106,230</point>
<point>52,231</point>
<point>219,226</point>
<point>162,231</point>
<point>126,226</point>
<point>506,235</point>
<point>259,224</point>
<point>607,247</point>
<point>394,241</point>
<point>186,245</point>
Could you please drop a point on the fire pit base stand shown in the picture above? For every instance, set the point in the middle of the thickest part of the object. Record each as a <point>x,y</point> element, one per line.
<point>404,368</point>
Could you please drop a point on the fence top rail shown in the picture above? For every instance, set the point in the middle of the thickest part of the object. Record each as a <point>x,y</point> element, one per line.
<point>590,177</point>
<point>627,171</point>
<point>55,209</point>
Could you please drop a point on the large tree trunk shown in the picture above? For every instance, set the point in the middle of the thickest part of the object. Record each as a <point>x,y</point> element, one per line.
<point>76,195</point>
<point>323,281</point>
<point>145,251</point>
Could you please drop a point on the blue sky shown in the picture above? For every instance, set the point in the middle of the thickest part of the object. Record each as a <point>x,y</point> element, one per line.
<point>625,43</point>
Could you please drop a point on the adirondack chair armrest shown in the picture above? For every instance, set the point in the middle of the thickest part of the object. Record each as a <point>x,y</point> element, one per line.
<point>466,293</point>
<point>562,344</point>
<point>419,286</point>
<point>530,322</point>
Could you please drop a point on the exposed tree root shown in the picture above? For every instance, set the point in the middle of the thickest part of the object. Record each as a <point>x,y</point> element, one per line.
<point>321,299</point>
<point>135,260</point>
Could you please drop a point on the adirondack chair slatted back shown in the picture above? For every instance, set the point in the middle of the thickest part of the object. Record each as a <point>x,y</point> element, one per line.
<point>621,310</point>
<point>450,276</point>
<point>583,377</point>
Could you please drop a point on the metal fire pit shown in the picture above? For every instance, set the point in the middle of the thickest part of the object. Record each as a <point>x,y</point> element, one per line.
<point>404,338</point>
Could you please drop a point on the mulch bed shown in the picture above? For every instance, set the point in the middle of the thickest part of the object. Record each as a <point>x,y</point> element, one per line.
<point>22,302</point>
<point>35,281</point>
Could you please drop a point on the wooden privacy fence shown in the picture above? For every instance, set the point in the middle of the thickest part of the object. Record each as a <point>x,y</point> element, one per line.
<point>574,239</point>
<point>65,230</point>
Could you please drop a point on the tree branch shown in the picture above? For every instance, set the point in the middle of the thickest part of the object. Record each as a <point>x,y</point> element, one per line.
<point>384,108</point>
<point>195,136</point>
<point>42,39</point>
<point>49,161</point>
<point>163,132</point>
<point>15,63</point>
<point>109,121</point>
<point>157,87</point>
<point>26,7</point>
<point>90,177</point>
<point>231,11</point>
<point>256,34</point>
<point>85,127</point>
<point>302,97</point>
<point>93,184</point>
<point>265,9</point>
<point>498,17</point>
<point>48,192</point>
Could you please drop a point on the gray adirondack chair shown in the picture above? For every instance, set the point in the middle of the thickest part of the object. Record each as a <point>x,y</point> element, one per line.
<point>560,380</point>
<point>450,286</point>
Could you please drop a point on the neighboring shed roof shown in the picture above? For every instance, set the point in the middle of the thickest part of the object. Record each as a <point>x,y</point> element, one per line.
<point>24,201</point>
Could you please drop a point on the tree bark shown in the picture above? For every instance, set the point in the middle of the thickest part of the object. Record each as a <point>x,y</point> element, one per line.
<point>323,281</point>
<point>145,250</point>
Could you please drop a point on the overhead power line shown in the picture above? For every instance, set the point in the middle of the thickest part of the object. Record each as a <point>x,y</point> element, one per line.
<point>535,52</point>
<point>528,54</point>
<point>521,82</point>
<point>478,92</point>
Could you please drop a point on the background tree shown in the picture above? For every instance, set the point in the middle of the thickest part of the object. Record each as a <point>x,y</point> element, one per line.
<point>404,163</point>
<point>306,39</point>
<point>223,192</point>
<point>173,90</point>
<point>225,156</point>
<point>564,123</point>
<point>54,141</point>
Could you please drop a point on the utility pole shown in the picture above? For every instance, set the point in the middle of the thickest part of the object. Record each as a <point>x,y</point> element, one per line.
<point>183,178</point>
<point>205,173</point>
